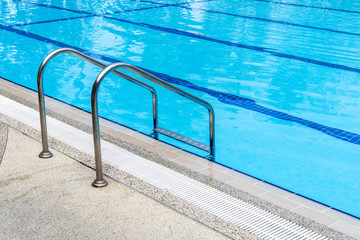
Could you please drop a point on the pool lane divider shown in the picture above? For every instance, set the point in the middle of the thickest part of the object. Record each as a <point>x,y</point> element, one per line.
<point>225,98</point>
<point>89,14</point>
<point>167,4</point>
<point>51,6</point>
<point>239,45</point>
<point>249,17</point>
<point>50,21</point>
<point>270,20</point>
<point>160,5</point>
<point>81,17</point>
<point>307,6</point>
<point>180,5</point>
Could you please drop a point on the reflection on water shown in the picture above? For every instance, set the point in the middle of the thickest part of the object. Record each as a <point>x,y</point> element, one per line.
<point>319,92</point>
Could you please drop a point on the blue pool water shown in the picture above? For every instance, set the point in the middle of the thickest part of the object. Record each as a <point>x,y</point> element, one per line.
<point>282,77</point>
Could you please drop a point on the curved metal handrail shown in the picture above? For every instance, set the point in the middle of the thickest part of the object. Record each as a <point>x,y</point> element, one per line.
<point>99,181</point>
<point>45,152</point>
<point>179,91</point>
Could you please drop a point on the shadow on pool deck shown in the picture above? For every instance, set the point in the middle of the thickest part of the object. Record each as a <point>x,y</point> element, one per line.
<point>52,199</point>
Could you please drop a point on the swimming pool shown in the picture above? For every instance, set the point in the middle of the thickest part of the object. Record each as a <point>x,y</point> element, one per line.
<point>281,75</point>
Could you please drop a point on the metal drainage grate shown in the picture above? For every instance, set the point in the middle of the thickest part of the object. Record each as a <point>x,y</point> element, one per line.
<point>247,216</point>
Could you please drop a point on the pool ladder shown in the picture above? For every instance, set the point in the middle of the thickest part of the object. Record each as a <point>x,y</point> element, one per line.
<point>100,181</point>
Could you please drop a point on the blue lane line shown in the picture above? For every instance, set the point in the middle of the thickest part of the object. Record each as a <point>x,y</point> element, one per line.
<point>55,7</point>
<point>183,3</point>
<point>94,14</point>
<point>307,6</point>
<point>270,20</point>
<point>190,34</point>
<point>255,18</point>
<point>90,15</point>
<point>54,42</point>
<point>239,45</point>
<point>172,5</point>
<point>222,97</point>
<point>49,21</point>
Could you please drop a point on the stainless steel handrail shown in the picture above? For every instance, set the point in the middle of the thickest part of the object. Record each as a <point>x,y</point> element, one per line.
<point>45,152</point>
<point>95,118</point>
<point>100,181</point>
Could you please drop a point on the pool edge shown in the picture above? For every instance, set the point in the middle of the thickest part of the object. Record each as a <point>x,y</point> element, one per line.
<point>251,190</point>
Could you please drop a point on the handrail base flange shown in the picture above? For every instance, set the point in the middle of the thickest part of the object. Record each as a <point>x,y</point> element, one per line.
<point>99,183</point>
<point>45,154</point>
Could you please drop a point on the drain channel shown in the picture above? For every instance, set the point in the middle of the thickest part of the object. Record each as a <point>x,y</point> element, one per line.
<point>247,216</point>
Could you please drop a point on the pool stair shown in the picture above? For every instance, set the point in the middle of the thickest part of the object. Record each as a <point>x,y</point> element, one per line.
<point>100,181</point>
<point>184,139</point>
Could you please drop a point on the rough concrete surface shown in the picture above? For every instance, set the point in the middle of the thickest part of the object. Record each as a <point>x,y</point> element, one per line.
<point>3,139</point>
<point>52,199</point>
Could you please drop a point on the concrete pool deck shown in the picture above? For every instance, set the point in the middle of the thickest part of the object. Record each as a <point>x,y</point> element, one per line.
<point>266,196</point>
<point>52,199</point>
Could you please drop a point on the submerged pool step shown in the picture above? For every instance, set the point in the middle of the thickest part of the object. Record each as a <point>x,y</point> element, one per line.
<point>183,139</point>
